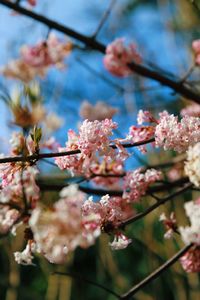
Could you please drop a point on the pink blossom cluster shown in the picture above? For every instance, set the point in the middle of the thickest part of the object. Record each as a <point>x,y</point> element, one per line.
<point>8,217</point>
<point>118,56</point>
<point>93,141</point>
<point>35,60</point>
<point>190,261</point>
<point>112,211</point>
<point>22,185</point>
<point>192,110</point>
<point>100,111</point>
<point>60,230</point>
<point>136,183</point>
<point>46,53</point>
<point>176,172</point>
<point>18,180</point>
<point>172,134</point>
<point>142,133</point>
<point>94,136</point>
<point>109,171</point>
<point>145,116</point>
<point>191,235</point>
<point>196,49</point>
<point>74,221</point>
<point>18,69</point>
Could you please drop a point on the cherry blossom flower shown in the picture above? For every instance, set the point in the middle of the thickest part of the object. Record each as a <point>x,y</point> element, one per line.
<point>105,168</point>
<point>99,111</point>
<point>18,69</point>
<point>170,224</point>
<point>8,217</point>
<point>35,60</point>
<point>196,49</point>
<point>139,134</point>
<point>93,141</point>
<point>118,56</point>
<point>52,122</point>
<point>112,211</point>
<point>136,183</point>
<point>18,179</point>
<point>46,53</point>
<point>22,184</point>
<point>190,261</point>
<point>25,257</point>
<point>192,110</point>
<point>142,133</point>
<point>94,136</point>
<point>120,242</point>
<point>191,234</point>
<point>192,165</point>
<point>50,144</point>
<point>59,230</point>
<point>176,172</point>
<point>145,117</point>
<point>174,135</point>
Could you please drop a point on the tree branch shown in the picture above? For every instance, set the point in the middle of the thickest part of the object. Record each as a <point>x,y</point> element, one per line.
<point>35,157</point>
<point>156,205</point>
<point>142,70</point>
<point>104,18</point>
<point>55,25</point>
<point>101,192</point>
<point>156,273</point>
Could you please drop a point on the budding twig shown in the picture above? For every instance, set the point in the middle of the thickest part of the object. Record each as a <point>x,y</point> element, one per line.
<point>35,157</point>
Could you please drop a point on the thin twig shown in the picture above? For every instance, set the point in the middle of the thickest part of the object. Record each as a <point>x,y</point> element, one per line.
<point>188,73</point>
<point>156,205</point>
<point>101,192</point>
<point>104,18</point>
<point>156,273</point>
<point>35,157</point>
<point>95,45</point>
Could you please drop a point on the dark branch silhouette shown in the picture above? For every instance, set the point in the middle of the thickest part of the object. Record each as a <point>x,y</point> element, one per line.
<point>156,273</point>
<point>178,86</point>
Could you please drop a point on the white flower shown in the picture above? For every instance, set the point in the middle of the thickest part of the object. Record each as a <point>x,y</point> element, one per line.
<point>120,242</point>
<point>192,166</point>
<point>191,234</point>
<point>25,257</point>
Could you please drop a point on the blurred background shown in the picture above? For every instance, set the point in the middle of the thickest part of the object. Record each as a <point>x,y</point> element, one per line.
<point>163,31</point>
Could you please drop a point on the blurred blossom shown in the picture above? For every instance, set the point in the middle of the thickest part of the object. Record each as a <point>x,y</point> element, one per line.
<point>99,111</point>
<point>190,261</point>
<point>192,165</point>
<point>170,224</point>
<point>52,122</point>
<point>196,49</point>
<point>192,110</point>
<point>118,56</point>
<point>191,234</point>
